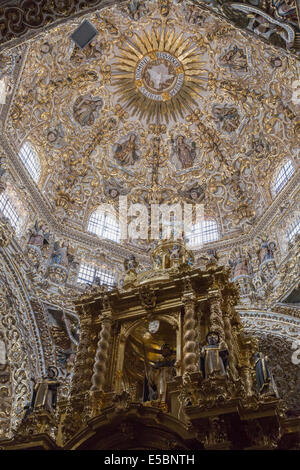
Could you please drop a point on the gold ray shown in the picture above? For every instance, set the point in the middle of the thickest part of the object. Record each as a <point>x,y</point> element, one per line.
<point>161,40</point>
<point>134,50</point>
<point>183,46</point>
<point>129,68</point>
<point>154,40</point>
<point>182,56</point>
<point>123,75</point>
<point>126,60</point>
<point>140,44</point>
<point>175,44</point>
<point>130,55</point>
<point>169,41</point>
<point>146,42</point>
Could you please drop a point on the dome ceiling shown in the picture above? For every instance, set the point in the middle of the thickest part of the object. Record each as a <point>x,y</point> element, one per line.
<point>159,108</point>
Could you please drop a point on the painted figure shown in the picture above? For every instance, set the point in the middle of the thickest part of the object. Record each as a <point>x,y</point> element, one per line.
<point>127,153</point>
<point>185,153</point>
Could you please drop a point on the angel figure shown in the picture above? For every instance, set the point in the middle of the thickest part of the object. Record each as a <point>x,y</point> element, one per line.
<point>185,153</point>
<point>39,236</point>
<point>61,255</point>
<point>127,153</point>
<point>266,251</point>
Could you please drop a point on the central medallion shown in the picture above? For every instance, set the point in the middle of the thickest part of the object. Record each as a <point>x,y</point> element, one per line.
<point>158,73</point>
<point>159,76</point>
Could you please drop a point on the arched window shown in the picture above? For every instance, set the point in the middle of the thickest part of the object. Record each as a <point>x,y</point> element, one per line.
<point>8,210</point>
<point>283,176</point>
<point>205,231</point>
<point>104,225</point>
<point>30,160</point>
<point>89,274</point>
<point>293,230</point>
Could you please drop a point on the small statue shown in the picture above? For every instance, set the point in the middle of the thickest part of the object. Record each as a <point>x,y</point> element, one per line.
<point>38,236</point>
<point>130,263</point>
<point>61,254</point>
<point>158,374</point>
<point>45,393</point>
<point>213,358</point>
<point>267,251</point>
<point>264,378</point>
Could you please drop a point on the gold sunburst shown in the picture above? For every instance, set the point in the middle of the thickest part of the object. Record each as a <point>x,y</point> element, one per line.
<point>158,74</point>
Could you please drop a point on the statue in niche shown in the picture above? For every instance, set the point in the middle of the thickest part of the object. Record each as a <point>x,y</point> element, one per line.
<point>234,59</point>
<point>44,393</point>
<point>266,251</point>
<point>264,378</point>
<point>185,153</point>
<point>86,108</point>
<point>126,151</point>
<point>213,357</point>
<point>226,117</point>
<point>240,266</point>
<point>158,374</point>
<point>130,263</point>
<point>39,236</point>
<point>61,254</point>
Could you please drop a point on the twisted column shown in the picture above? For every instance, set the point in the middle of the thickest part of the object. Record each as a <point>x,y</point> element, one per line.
<point>189,334</point>
<point>100,365</point>
<point>229,340</point>
<point>216,322</point>
<point>82,369</point>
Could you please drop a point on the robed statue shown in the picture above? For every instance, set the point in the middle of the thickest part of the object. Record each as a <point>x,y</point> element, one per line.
<point>264,378</point>
<point>45,393</point>
<point>158,374</point>
<point>213,357</point>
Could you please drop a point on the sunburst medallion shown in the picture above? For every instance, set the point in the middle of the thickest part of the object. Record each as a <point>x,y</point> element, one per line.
<point>159,74</point>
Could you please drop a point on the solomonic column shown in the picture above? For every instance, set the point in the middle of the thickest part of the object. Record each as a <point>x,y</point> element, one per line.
<point>190,363</point>
<point>100,364</point>
<point>216,322</point>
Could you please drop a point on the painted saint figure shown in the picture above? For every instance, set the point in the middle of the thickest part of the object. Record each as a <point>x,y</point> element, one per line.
<point>213,358</point>
<point>185,153</point>
<point>127,153</point>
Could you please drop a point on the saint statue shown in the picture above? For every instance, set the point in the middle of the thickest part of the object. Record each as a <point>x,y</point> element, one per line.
<point>127,152</point>
<point>213,357</point>
<point>185,153</point>
<point>158,374</point>
<point>267,251</point>
<point>264,377</point>
<point>60,254</point>
<point>38,236</point>
<point>45,393</point>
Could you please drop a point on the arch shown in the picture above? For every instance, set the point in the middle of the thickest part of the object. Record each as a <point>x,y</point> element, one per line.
<point>24,351</point>
<point>279,337</point>
<point>136,428</point>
